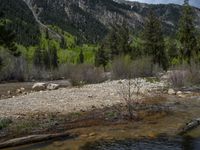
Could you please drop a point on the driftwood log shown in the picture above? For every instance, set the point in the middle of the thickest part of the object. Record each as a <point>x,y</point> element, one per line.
<point>32,139</point>
<point>189,126</point>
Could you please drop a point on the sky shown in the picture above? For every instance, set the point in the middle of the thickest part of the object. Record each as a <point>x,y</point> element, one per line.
<point>195,3</point>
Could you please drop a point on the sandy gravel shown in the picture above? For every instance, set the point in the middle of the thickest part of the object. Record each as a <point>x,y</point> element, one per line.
<point>68,100</point>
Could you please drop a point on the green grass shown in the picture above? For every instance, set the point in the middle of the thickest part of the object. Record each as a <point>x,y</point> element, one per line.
<point>4,123</point>
<point>111,114</point>
<point>152,79</point>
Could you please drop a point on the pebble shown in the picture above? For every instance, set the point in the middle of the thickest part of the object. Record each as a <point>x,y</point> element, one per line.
<point>92,134</point>
<point>171,92</point>
<point>9,92</point>
<point>57,143</point>
<point>67,100</point>
<point>83,136</point>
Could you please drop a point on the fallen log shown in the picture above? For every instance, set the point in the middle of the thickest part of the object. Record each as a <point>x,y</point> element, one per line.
<point>189,126</point>
<point>33,139</point>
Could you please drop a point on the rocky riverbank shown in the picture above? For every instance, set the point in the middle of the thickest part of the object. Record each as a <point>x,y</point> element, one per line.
<point>50,111</point>
<point>66,100</point>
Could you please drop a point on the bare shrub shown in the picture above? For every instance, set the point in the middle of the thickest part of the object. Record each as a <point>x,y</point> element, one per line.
<point>142,67</point>
<point>86,74</point>
<point>130,94</point>
<point>13,68</point>
<point>124,67</point>
<point>194,73</point>
<point>178,78</point>
<point>185,75</point>
<point>121,67</point>
<point>35,73</point>
<point>7,66</point>
<point>78,74</point>
<point>63,71</point>
<point>20,73</point>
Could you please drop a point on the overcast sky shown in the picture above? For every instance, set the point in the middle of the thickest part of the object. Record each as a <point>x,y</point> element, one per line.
<point>192,2</point>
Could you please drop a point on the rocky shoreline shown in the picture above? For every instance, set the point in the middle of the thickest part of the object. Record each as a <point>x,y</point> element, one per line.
<point>66,100</point>
<point>50,111</point>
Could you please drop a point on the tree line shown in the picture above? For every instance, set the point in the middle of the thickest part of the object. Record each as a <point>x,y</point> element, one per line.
<point>183,49</point>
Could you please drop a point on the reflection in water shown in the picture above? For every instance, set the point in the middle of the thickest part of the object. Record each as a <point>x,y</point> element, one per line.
<point>191,144</point>
<point>185,143</point>
<point>188,143</point>
<point>195,144</point>
<point>158,144</point>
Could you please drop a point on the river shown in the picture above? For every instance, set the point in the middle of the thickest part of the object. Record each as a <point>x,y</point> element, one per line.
<point>126,144</point>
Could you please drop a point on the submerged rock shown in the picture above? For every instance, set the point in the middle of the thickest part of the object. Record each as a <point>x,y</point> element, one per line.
<point>189,126</point>
<point>52,86</point>
<point>171,92</point>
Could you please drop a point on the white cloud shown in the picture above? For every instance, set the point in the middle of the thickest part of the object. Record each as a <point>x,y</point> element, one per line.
<point>192,2</point>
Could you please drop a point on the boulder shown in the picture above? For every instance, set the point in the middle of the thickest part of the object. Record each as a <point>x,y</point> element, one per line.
<point>39,86</point>
<point>18,91</point>
<point>52,86</point>
<point>22,89</point>
<point>182,96</point>
<point>9,92</point>
<point>189,126</point>
<point>171,92</point>
<point>179,93</point>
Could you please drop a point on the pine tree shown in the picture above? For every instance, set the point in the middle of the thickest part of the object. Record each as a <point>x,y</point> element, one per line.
<point>63,43</point>
<point>111,42</point>
<point>101,57</point>
<point>172,50</point>
<point>46,59</point>
<point>124,39</point>
<point>186,34</point>
<point>117,42</point>
<point>53,57</point>
<point>154,45</point>
<point>7,38</point>
<point>1,63</point>
<point>81,57</point>
<point>47,34</point>
<point>38,58</point>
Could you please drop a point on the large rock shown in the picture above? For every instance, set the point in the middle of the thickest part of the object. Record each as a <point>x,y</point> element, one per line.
<point>180,94</point>
<point>189,126</point>
<point>52,86</point>
<point>171,92</point>
<point>20,91</point>
<point>39,86</point>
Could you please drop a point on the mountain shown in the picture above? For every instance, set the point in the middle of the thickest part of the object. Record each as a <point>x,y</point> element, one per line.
<point>89,20</point>
<point>20,19</point>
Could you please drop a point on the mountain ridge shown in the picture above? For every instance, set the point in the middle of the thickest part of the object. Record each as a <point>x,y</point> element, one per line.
<point>90,20</point>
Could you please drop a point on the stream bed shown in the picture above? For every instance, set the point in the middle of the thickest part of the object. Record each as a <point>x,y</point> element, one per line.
<point>163,143</point>
<point>155,132</point>
<point>146,144</point>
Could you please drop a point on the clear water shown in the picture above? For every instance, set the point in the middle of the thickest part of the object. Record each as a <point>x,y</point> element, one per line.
<point>158,144</point>
<point>143,144</point>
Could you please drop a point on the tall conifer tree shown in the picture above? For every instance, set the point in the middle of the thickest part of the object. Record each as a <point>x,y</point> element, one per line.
<point>38,58</point>
<point>101,57</point>
<point>186,34</point>
<point>154,45</point>
<point>81,57</point>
